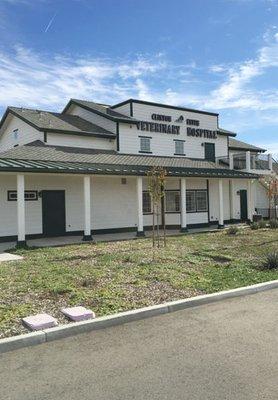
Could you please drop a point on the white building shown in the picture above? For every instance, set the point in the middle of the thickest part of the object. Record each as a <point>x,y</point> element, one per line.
<point>83,171</point>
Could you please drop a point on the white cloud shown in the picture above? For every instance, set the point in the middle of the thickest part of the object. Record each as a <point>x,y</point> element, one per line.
<point>29,79</point>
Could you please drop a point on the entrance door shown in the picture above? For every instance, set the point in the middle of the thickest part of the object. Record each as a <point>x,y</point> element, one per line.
<point>210,152</point>
<point>53,212</point>
<point>243,205</point>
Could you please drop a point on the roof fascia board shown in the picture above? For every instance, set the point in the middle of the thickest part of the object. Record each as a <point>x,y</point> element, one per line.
<point>110,117</point>
<point>163,106</point>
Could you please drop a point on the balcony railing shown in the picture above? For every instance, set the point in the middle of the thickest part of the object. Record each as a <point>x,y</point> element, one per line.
<point>249,162</point>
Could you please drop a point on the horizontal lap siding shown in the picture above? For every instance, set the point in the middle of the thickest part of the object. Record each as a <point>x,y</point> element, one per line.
<point>80,141</point>
<point>26,134</point>
<point>113,204</point>
<point>162,143</point>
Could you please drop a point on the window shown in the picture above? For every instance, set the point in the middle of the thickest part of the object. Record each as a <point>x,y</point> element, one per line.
<point>145,144</point>
<point>147,203</point>
<point>172,201</point>
<point>196,201</point>
<point>190,201</point>
<point>15,134</point>
<point>29,195</point>
<point>201,201</point>
<point>179,147</point>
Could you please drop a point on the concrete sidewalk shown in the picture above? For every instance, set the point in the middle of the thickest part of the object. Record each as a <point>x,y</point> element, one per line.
<point>221,351</point>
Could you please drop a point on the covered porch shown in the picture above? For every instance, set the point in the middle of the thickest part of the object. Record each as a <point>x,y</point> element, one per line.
<point>59,209</point>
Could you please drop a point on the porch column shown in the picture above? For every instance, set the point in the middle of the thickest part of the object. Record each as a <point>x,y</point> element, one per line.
<point>232,203</point>
<point>20,210</point>
<point>221,205</point>
<point>140,227</point>
<point>87,208</point>
<point>183,205</point>
<point>231,161</point>
<point>250,200</point>
<point>248,161</point>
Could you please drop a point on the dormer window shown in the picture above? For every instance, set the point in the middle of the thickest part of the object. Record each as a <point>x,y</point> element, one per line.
<point>15,134</point>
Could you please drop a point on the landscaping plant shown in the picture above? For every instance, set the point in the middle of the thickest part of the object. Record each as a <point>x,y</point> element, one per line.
<point>232,230</point>
<point>271,261</point>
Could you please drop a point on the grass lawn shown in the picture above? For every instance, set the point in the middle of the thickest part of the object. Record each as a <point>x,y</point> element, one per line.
<point>112,277</point>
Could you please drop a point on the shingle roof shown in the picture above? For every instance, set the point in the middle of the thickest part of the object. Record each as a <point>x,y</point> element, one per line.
<point>55,122</point>
<point>38,157</point>
<point>225,132</point>
<point>239,145</point>
<point>101,109</point>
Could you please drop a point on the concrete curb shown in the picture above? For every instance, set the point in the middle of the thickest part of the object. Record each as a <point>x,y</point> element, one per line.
<point>75,328</point>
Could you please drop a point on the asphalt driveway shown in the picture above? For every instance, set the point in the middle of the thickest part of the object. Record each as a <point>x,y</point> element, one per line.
<point>226,350</point>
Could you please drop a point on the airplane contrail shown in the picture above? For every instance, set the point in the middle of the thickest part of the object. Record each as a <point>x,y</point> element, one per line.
<point>50,23</point>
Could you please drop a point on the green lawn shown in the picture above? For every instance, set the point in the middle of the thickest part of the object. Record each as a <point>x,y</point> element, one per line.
<point>112,277</point>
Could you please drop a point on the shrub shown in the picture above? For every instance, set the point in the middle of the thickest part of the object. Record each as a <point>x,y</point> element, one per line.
<point>262,224</point>
<point>271,261</point>
<point>273,223</point>
<point>232,230</point>
<point>254,225</point>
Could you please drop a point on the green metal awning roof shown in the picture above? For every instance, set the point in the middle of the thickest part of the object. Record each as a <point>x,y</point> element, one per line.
<point>38,166</point>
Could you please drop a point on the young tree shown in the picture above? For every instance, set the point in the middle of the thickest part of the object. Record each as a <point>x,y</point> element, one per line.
<point>270,182</point>
<point>156,187</point>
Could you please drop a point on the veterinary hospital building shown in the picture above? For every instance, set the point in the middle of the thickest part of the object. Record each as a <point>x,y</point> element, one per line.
<point>84,171</point>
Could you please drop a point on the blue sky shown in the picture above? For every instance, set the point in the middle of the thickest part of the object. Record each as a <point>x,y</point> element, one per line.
<point>218,55</point>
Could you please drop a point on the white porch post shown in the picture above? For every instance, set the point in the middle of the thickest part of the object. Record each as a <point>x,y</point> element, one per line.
<point>183,205</point>
<point>140,227</point>
<point>20,210</point>
<point>87,208</point>
<point>270,162</point>
<point>232,203</point>
<point>231,161</point>
<point>221,205</point>
<point>250,200</point>
<point>248,161</point>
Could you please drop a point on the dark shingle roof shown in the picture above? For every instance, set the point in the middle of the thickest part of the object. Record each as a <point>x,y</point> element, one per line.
<point>38,157</point>
<point>101,109</point>
<point>239,145</point>
<point>55,122</point>
<point>225,132</point>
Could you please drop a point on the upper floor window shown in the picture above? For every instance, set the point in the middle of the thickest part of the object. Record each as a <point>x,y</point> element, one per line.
<point>15,134</point>
<point>179,147</point>
<point>172,201</point>
<point>145,144</point>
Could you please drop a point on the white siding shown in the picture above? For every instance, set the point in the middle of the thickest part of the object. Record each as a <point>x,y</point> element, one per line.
<point>92,117</point>
<point>26,133</point>
<point>113,204</point>
<point>62,139</point>
<point>124,109</point>
<point>162,144</point>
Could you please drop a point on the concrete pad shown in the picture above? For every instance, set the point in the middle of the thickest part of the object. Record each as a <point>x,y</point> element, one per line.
<point>9,257</point>
<point>78,313</point>
<point>39,321</point>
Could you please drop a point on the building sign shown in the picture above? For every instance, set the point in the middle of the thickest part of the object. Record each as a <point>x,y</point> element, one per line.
<point>160,117</point>
<point>193,122</point>
<point>156,127</point>
<point>204,133</point>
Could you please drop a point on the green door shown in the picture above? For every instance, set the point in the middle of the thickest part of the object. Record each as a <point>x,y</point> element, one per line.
<point>210,152</point>
<point>53,212</point>
<point>243,205</point>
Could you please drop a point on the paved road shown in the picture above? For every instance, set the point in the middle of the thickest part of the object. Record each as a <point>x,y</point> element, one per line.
<point>226,350</point>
